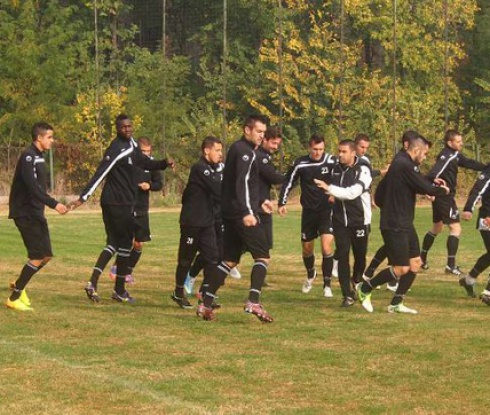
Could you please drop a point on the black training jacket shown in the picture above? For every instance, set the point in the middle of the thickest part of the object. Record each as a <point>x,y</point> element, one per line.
<point>268,175</point>
<point>117,168</point>
<point>240,190</point>
<point>397,192</point>
<point>28,194</point>
<point>154,178</point>
<point>446,167</point>
<point>305,170</point>
<point>200,195</point>
<point>480,191</point>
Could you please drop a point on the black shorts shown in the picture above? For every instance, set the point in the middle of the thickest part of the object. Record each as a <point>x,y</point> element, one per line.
<point>119,226</point>
<point>444,210</point>
<point>401,246</point>
<point>197,239</point>
<point>266,223</point>
<point>238,238</point>
<point>315,223</point>
<point>142,228</point>
<point>35,234</point>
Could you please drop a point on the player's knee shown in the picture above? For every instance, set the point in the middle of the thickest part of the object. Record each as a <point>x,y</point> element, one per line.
<point>138,245</point>
<point>401,270</point>
<point>45,260</point>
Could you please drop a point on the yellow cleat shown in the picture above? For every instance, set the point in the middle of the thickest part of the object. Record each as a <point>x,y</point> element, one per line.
<point>17,305</point>
<point>23,296</point>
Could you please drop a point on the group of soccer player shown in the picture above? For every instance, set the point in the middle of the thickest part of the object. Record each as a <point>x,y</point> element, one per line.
<point>227,210</point>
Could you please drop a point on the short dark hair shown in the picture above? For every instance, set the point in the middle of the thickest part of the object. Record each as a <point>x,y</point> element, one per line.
<point>450,135</point>
<point>40,128</point>
<point>121,117</point>
<point>209,142</point>
<point>420,139</point>
<point>254,118</point>
<point>361,137</point>
<point>409,135</point>
<point>144,141</point>
<point>350,143</point>
<point>316,139</point>
<point>272,132</point>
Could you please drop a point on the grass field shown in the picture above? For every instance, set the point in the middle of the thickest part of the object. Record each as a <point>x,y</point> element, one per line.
<point>72,357</point>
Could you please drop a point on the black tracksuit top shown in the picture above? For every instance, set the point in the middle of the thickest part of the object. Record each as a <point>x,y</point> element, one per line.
<point>154,178</point>
<point>446,167</point>
<point>201,194</point>
<point>28,194</point>
<point>396,192</point>
<point>268,175</point>
<point>305,170</point>
<point>480,190</point>
<point>117,168</point>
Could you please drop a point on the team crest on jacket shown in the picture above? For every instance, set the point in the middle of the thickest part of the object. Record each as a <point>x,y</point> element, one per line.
<point>245,158</point>
<point>482,176</point>
<point>443,157</point>
<point>206,172</point>
<point>416,168</point>
<point>265,160</point>
<point>28,159</point>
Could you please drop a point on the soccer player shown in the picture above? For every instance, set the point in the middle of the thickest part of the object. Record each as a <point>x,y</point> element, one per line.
<point>268,176</point>
<point>197,218</point>
<point>117,201</point>
<point>316,217</point>
<point>396,197</point>
<point>28,197</point>
<point>480,191</point>
<point>242,229</point>
<point>147,181</point>
<point>444,208</point>
<point>350,181</point>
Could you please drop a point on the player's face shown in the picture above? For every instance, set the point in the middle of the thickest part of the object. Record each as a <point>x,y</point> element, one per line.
<point>456,143</point>
<point>214,154</point>
<point>362,147</point>
<point>317,151</point>
<point>255,134</point>
<point>347,156</point>
<point>125,129</point>
<point>421,154</point>
<point>146,150</point>
<point>271,145</point>
<point>45,141</point>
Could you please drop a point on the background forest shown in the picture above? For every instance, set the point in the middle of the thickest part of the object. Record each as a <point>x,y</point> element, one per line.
<point>336,67</point>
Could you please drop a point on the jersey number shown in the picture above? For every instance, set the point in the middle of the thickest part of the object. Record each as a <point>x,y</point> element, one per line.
<point>360,233</point>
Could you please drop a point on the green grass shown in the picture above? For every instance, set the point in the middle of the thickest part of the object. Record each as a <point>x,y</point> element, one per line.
<point>71,357</point>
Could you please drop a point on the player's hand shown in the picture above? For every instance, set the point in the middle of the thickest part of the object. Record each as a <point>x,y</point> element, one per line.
<point>61,209</point>
<point>466,215</point>
<point>487,221</point>
<point>331,199</point>
<point>322,185</point>
<point>144,186</point>
<point>267,206</point>
<point>73,205</point>
<point>445,188</point>
<point>385,170</point>
<point>171,164</point>
<point>249,220</point>
<point>282,210</point>
<point>431,198</point>
<point>440,182</point>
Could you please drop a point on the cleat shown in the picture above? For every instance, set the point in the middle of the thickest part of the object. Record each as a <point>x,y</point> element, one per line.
<point>335,269</point>
<point>402,309</point>
<point>206,313</point>
<point>425,266</point>
<point>347,302</point>
<point>181,301</point>
<point>308,285</point>
<point>113,275</point>
<point>392,287</point>
<point>258,311</point>
<point>485,298</point>
<point>189,284</point>
<point>91,292</point>
<point>112,272</point>
<point>17,305</point>
<point>470,288</point>
<point>454,271</point>
<point>327,292</point>
<point>122,298</point>
<point>23,294</point>
<point>364,299</point>
<point>234,273</point>
<point>200,300</point>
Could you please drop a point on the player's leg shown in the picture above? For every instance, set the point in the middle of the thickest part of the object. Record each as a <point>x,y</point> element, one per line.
<point>325,230</point>
<point>360,238</point>
<point>309,232</point>
<point>468,281</point>
<point>378,258</point>
<point>438,208</point>
<point>343,244</point>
